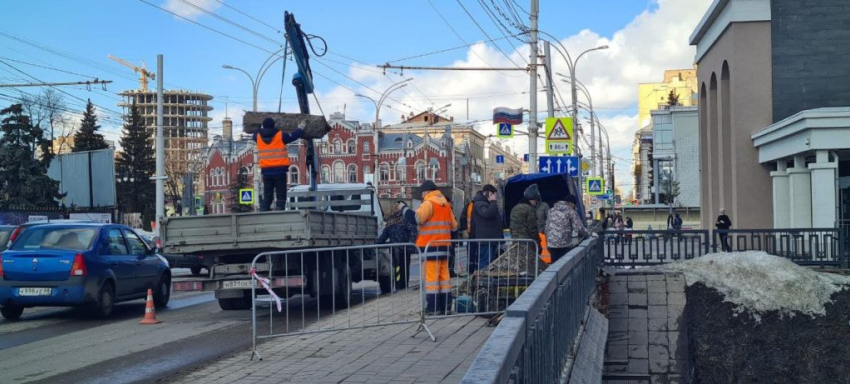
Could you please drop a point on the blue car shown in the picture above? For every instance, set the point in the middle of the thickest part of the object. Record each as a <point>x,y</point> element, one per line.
<point>82,264</point>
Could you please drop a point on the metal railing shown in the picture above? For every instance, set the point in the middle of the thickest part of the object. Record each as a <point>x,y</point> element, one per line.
<point>804,246</point>
<point>493,273</point>
<point>318,290</point>
<point>533,342</point>
<point>643,248</point>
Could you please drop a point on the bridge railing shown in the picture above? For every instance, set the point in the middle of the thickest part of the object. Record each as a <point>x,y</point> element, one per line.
<point>804,246</point>
<point>533,342</point>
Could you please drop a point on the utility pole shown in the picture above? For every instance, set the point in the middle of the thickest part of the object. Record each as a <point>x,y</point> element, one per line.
<point>532,116</point>
<point>160,150</point>
<point>549,90</point>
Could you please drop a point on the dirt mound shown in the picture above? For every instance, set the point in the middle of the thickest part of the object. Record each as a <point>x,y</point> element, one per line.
<point>729,346</point>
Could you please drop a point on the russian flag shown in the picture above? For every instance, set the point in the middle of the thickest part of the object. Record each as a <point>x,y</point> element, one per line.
<point>507,115</point>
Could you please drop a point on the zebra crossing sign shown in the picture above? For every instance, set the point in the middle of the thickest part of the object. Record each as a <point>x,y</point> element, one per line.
<point>246,196</point>
<point>595,186</point>
<point>505,131</point>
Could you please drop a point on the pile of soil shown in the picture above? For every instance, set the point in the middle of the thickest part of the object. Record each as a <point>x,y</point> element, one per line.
<point>729,346</point>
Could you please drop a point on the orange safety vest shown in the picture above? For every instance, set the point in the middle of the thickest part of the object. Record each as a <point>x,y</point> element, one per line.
<point>438,227</point>
<point>272,155</point>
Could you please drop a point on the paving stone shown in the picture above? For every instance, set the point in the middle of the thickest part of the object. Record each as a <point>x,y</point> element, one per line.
<point>657,325</point>
<point>658,338</point>
<point>675,311</point>
<point>657,311</point>
<point>674,324</point>
<point>659,366</point>
<point>638,312</point>
<point>638,352</point>
<point>618,338</point>
<point>676,299</point>
<point>657,298</point>
<point>656,278</point>
<point>637,324</point>
<point>656,287</point>
<point>658,352</point>
<point>637,299</point>
<point>678,366</point>
<point>618,311</point>
<point>637,287</point>
<point>617,352</point>
<point>637,278</point>
<point>673,338</point>
<point>619,298</point>
<point>617,287</point>
<point>618,325</point>
<point>640,366</point>
<point>638,338</point>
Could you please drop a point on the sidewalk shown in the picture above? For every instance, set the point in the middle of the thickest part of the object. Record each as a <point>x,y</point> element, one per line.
<point>384,354</point>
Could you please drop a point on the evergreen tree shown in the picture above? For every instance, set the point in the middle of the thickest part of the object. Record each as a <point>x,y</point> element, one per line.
<point>23,179</point>
<point>241,182</point>
<point>134,168</point>
<point>87,137</point>
<point>672,98</point>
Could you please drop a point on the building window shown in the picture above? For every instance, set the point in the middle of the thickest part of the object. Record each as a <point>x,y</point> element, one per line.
<point>365,147</point>
<point>293,175</point>
<point>401,172</point>
<point>352,173</point>
<point>410,143</point>
<point>337,146</point>
<point>435,166</point>
<point>339,172</point>
<point>367,170</point>
<point>326,174</point>
<point>352,147</point>
<point>420,170</point>
<point>384,172</point>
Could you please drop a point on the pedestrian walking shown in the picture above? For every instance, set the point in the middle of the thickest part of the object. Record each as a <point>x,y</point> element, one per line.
<point>562,222</point>
<point>486,224</point>
<point>723,223</point>
<point>630,225</point>
<point>274,162</point>
<point>397,230</point>
<point>436,223</point>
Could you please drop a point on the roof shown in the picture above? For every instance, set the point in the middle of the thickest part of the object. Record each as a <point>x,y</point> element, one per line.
<point>720,14</point>
<point>396,141</point>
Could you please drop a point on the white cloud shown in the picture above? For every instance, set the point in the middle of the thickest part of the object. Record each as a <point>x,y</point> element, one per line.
<point>188,11</point>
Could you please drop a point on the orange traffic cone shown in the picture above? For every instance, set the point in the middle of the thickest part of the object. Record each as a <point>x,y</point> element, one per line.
<point>150,311</point>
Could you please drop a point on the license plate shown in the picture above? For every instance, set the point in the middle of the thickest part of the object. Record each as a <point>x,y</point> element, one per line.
<point>35,291</point>
<point>236,284</point>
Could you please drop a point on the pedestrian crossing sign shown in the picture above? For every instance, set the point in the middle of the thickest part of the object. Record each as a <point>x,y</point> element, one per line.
<point>595,186</point>
<point>559,136</point>
<point>505,131</point>
<point>246,196</point>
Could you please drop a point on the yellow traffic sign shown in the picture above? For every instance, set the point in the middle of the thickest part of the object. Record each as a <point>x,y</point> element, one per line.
<point>585,165</point>
<point>559,136</point>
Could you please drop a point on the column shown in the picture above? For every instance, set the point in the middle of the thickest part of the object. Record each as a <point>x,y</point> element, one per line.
<point>800,194</point>
<point>781,196</point>
<point>824,190</point>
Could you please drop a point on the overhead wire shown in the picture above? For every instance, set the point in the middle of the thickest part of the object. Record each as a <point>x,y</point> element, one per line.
<point>248,16</point>
<point>485,32</point>
<point>230,22</point>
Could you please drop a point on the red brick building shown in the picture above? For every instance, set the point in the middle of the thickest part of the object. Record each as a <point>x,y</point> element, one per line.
<point>346,155</point>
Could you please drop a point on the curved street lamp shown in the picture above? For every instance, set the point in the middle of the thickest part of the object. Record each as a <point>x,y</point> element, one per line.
<point>378,103</point>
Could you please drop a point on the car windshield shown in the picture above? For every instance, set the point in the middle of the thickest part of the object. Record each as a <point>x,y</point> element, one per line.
<point>73,239</point>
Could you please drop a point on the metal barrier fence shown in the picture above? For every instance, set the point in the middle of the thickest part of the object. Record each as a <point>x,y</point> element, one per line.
<point>804,246</point>
<point>533,342</point>
<point>491,275</point>
<point>637,248</point>
<point>316,290</point>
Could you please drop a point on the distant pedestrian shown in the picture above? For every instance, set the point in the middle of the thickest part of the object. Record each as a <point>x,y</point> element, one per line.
<point>274,162</point>
<point>486,223</point>
<point>723,224</point>
<point>562,222</point>
<point>629,228</point>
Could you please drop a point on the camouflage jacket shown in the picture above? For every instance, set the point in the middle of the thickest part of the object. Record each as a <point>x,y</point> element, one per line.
<point>563,220</point>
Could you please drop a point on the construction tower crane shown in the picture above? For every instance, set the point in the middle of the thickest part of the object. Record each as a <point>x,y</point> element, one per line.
<point>144,74</point>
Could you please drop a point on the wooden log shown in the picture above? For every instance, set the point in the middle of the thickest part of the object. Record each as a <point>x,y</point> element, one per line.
<point>314,127</point>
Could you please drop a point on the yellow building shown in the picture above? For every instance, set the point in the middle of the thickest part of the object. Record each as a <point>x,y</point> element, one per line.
<point>653,96</point>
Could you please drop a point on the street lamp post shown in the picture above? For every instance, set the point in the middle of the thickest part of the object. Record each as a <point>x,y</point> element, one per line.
<point>378,103</point>
<point>255,87</point>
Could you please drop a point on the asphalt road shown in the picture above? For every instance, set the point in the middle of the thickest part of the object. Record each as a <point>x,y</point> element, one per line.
<point>61,345</point>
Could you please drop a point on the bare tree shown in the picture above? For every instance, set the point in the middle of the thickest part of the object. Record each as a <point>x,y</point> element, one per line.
<point>49,112</point>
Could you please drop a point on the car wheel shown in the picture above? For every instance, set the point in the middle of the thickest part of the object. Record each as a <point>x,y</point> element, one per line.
<point>105,300</point>
<point>163,292</point>
<point>196,270</point>
<point>12,312</point>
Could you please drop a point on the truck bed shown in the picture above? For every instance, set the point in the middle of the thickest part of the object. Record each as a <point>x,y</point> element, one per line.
<point>252,233</point>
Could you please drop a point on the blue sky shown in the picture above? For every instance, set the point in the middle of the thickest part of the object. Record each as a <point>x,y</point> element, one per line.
<point>368,31</point>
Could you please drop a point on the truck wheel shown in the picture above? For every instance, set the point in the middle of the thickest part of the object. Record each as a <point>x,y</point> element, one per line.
<point>341,299</point>
<point>12,312</point>
<point>196,270</point>
<point>236,304</point>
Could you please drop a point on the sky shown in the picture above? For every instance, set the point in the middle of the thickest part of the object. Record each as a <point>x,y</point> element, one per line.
<point>47,40</point>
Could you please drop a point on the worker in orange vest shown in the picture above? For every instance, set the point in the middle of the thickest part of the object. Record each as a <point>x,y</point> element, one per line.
<point>274,162</point>
<point>436,223</point>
